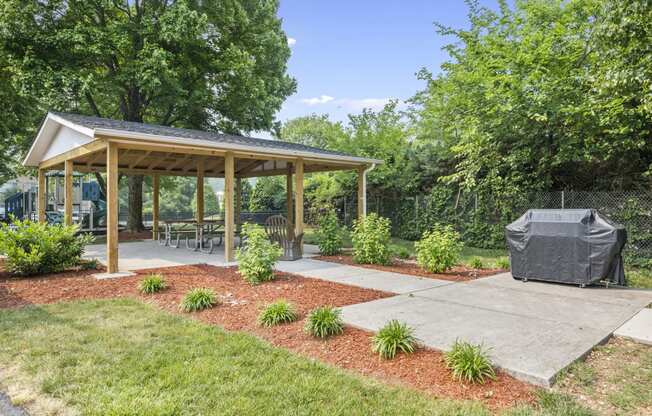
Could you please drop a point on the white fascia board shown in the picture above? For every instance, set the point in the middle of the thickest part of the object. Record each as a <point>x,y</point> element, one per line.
<point>230,146</point>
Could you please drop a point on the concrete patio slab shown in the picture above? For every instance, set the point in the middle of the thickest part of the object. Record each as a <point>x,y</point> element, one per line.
<point>639,328</point>
<point>531,334</point>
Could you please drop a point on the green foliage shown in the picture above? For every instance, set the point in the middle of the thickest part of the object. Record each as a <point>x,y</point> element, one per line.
<point>502,263</point>
<point>393,337</point>
<point>152,283</point>
<point>279,312</point>
<point>256,260</point>
<point>371,236</point>
<point>33,248</point>
<point>402,253</point>
<point>476,263</point>
<point>439,249</point>
<point>211,203</point>
<point>329,237</point>
<point>198,299</point>
<point>324,321</point>
<point>469,362</point>
<point>268,195</point>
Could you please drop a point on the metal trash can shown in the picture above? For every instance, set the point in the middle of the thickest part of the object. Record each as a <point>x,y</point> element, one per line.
<point>576,246</point>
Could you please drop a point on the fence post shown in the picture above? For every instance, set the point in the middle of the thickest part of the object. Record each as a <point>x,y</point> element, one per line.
<point>562,199</point>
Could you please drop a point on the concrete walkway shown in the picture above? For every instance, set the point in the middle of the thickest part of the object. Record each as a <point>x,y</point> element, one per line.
<point>533,330</point>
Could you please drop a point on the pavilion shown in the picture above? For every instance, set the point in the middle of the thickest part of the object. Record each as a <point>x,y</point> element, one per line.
<point>77,143</point>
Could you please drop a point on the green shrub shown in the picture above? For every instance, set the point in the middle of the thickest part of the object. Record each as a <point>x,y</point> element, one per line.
<point>439,249</point>
<point>198,299</point>
<point>35,248</point>
<point>403,253</point>
<point>502,263</point>
<point>370,237</point>
<point>256,261</point>
<point>279,312</point>
<point>89,264</point>
<point>152,283</point>
<point>324,321</point>
<point>329,238</point>
<point>476,263</point>
<point>393,337</point>
<point>469,362</point>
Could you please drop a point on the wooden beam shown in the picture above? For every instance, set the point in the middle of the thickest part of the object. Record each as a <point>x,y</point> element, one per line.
<point>288,190</point>
<point>298,203</point>
<point>200,191</point>
<point>229,229</point>
<point>307,169</point>
<point>94,158</point>
<point>178,163</point>
<point>67,198</point>
<point>42,196</point>
<point>140,159</point>
<point>155,205</point>
<point>157,160</point>
<point>75,153</point>
<point>238,202</point>
<point>251,166</point>
<point>362,193</point>
<point>112,208</point>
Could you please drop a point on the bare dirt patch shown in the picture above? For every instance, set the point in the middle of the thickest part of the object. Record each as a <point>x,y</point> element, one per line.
<point>241,303</point>
<point>456,274</point>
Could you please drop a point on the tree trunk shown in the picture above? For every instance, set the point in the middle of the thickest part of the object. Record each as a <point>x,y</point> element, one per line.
<point>135,219</point>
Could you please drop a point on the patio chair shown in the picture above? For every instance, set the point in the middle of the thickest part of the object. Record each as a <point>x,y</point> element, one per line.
<point>278,230</point>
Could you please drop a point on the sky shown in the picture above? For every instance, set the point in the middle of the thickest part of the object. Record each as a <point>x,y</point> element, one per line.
<point>348,55</point>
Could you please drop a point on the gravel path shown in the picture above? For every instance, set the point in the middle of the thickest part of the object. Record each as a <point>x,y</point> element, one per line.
<point>8,409</point>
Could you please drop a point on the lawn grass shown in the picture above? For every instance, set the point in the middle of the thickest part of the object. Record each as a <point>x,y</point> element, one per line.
<point>123,357</point>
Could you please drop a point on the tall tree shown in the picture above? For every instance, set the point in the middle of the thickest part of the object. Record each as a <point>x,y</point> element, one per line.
<point>210,64</point>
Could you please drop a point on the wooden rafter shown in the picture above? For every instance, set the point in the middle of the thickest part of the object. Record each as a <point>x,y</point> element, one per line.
<point>140,159</point>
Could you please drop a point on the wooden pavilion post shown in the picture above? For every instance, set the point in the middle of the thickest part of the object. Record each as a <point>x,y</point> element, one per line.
<point>112,207</point>
<point>155,205</point>
<point>229,235</point>
<point>298,203</point>
<point>288,187</point>
<point>238,203</point>
<point>42,195</point>
<point>67,199</point>
<point>200,192</point>
<point>362,192</point>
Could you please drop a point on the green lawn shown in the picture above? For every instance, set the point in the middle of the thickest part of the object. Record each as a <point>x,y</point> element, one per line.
<point>122,357</point>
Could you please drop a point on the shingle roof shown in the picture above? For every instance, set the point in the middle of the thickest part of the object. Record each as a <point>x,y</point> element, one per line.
<point>153,129</point>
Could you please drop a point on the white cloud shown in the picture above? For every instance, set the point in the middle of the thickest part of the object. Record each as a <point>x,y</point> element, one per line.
<point>358,104</point>
<point>322,99</point>
<point>291,42</point>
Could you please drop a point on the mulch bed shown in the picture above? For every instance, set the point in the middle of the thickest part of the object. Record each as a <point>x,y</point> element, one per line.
<point>241,303</point>
<point>456,274</point>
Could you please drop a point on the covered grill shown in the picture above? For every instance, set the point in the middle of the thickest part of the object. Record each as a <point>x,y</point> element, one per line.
<point>577,246</point>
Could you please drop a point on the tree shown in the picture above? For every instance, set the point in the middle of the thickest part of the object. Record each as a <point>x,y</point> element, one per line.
<point>211,203</point>
<point>268,195</point>
<point>213,65</point>
<point>245,194</point>
<point>314,130</point>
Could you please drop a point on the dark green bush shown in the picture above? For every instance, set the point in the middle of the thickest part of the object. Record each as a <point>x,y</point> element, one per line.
<point>393,337</point>
<point>198,299</point>
<point>256,261</point>
<point>469,363</point>
<point>324,321</point>
<point>152,283</point>
<point>329,237</point>
<point>371,236</point>
<point>34,248</point>
<point>279,312</point>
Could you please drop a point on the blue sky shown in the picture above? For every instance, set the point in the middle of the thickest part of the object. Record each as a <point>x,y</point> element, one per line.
<point>347,55</point>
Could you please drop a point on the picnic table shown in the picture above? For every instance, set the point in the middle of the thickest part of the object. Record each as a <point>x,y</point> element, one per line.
<point>203,233</point>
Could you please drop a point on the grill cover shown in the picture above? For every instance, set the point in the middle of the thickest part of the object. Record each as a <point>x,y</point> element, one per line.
<point>577,246</point>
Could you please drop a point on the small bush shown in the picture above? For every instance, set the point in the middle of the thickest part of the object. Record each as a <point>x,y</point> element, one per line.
<point>152,283</point>
<point>403,253</point>
<point>324,322</point>
<point>256,261</point>
<point>439,249</point>
<point>198,299</point>
<point>393,337</point>
<point>502,263</point>
<point>279,312</point>
<point>370,237</point>
<point>329,238</point>
<point>476,263</point>
<point>89,264</point>
<point>469,363</point>
<point>34,248</point>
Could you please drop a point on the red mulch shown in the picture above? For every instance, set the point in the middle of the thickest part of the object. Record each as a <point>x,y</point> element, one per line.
<point>424,370</point>
<point>456,274</point>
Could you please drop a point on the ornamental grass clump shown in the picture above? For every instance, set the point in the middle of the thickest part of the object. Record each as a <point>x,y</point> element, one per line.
<point>371,236</point>
<point>198,299</point>
<point>469,363</point>
<point>476,263</point>
<point>152,283</point>
<point>392,338</point>
<point>324,321</point>
<point>37,248</point>
<point>256,260</point>
<point>502,263</point>
<point>439,249</point>
<point>329,237</point>
<point>277,313</point>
